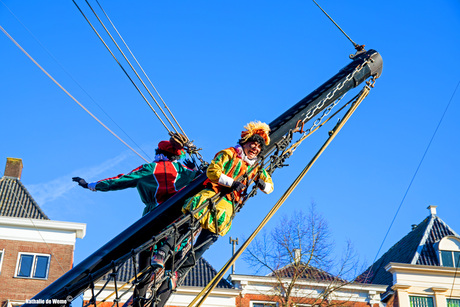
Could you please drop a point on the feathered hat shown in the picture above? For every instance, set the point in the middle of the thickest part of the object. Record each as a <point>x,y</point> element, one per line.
<point>256,128</point>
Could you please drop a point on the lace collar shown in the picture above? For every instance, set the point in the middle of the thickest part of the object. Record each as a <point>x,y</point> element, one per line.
<point>242,155</point>
<point>160,157</point>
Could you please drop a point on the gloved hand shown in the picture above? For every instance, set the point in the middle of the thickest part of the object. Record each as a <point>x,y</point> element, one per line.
<point>81,182</point>
<point>237,186</point>
<point>189,163</point>
<point>260,184</point>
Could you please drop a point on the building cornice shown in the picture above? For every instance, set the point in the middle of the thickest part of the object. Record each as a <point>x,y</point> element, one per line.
<point>246,279</point>
<point>38,230</point>
<point>393,267</point>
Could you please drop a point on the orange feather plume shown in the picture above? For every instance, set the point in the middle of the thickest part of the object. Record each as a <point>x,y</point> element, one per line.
<point>259,128</point>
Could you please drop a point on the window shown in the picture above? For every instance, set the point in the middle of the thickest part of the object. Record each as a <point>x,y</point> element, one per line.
<point>33,266</point>
<point>453,302</point>
<point>449,251</point>
<point>450,258</point>
<point>421,301</point>
<point>2,253</point>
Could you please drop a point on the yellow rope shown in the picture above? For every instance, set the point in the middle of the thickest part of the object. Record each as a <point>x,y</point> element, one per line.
<point>213,283</point>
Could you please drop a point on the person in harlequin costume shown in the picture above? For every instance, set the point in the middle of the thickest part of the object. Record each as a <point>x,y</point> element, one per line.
<point>227,166</point>
<point>156,182</point>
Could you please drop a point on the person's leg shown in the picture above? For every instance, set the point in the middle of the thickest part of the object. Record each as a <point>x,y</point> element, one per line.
<point>203,242</point>
<point>163,293</point>
<point>141,289</point>
<point>168,244</point>
<point>159,258</point>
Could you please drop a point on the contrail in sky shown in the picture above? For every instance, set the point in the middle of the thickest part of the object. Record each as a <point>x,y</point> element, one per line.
<point>48,191</point>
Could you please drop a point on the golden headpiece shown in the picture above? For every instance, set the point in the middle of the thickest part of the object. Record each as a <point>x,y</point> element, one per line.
<point>258,128</point>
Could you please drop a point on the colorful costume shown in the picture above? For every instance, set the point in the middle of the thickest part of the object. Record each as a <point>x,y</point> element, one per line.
<point>228,165</point>
<point>155,182</point>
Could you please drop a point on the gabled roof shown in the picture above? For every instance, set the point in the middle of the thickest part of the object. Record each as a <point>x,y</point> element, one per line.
<point>16,201</point>
<point>202,274</point>
<point>304,271</point>
<point>199,276</point>
<point>417,247</point>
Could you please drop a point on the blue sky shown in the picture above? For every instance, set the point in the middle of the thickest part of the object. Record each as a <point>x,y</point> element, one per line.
<point>219,65</point>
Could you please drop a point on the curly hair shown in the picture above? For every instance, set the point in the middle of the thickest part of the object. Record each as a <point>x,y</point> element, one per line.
<point>254,138</point>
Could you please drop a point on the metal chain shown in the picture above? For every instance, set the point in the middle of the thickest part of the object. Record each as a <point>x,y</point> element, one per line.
<point>276,160</point>
<point>329,96</point>
<point>316,123</point>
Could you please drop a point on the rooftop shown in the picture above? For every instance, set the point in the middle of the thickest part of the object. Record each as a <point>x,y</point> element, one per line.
<point>15,200</point>
<point>417,247</point>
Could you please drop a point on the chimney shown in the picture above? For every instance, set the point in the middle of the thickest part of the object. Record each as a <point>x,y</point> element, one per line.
<point>432,209</point>
<point>297,255</point>
<point>13,167</point>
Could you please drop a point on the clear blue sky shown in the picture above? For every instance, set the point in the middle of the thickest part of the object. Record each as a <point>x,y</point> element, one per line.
<point>219,65</point>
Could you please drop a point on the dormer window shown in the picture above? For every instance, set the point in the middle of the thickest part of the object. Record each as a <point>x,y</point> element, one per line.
<point>449,251</point>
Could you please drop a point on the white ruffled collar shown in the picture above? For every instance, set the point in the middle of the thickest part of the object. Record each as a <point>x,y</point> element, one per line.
<point>242,155</point>
<point>160,157</point>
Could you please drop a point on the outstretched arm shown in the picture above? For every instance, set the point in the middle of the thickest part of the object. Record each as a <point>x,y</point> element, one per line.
<point>119,182</point>
<point>81,182</point>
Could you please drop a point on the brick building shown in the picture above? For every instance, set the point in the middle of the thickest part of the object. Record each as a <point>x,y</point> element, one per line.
<point>312,288</point>
<point>34,250</point>
<point>247,290</point>
<point>224,295</point>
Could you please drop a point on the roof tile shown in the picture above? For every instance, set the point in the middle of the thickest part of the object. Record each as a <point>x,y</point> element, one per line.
<point>421,239</point>
<point>16,201</point>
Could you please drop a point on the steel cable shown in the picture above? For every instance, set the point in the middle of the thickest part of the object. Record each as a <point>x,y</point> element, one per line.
<point>130,65</point>
<point>73,98</point>
<point>145,74</point>
<point>370,273</point>
<point>213,283</point>
<point>121,66</point>
<point>73,79</point>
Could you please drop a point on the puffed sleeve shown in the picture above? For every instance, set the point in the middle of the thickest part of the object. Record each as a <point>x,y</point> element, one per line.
<point>268,182</point>
<point>215,170</point>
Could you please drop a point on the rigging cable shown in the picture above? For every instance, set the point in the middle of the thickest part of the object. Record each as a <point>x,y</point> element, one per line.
<point>369,273</point>
<point>73,79</point>
<point>130,65</point>
<point>121,66</point>
<point>73,98</point>
<point>213,283</point>
<point>456,261</point>
<point>145,74</point>
<point>357,47</point>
